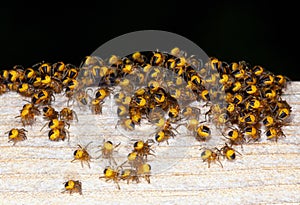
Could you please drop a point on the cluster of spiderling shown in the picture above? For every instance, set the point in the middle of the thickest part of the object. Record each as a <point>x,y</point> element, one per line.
<point>159,88</point>
<point>38,85</point>
<point>242,99</point>
<point>134,168</point>
<point>245,95</point>
<point>253,95</point>
<point>149,85</point>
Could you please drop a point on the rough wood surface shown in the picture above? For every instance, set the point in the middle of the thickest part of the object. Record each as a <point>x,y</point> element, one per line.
<point>33,171</point>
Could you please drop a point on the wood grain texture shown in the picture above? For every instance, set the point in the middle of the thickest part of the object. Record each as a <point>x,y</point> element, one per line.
<point>33,171</point>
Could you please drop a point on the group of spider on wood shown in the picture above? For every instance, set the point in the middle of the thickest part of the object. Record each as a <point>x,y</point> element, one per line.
<point>133,169</point>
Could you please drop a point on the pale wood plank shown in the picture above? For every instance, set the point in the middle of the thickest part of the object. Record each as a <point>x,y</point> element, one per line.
<point>32,172</point>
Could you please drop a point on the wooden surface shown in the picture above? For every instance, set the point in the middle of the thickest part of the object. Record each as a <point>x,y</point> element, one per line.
<point>33,171</point>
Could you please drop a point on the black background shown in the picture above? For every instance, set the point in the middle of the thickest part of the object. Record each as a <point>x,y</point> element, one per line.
<point>259,32</point>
